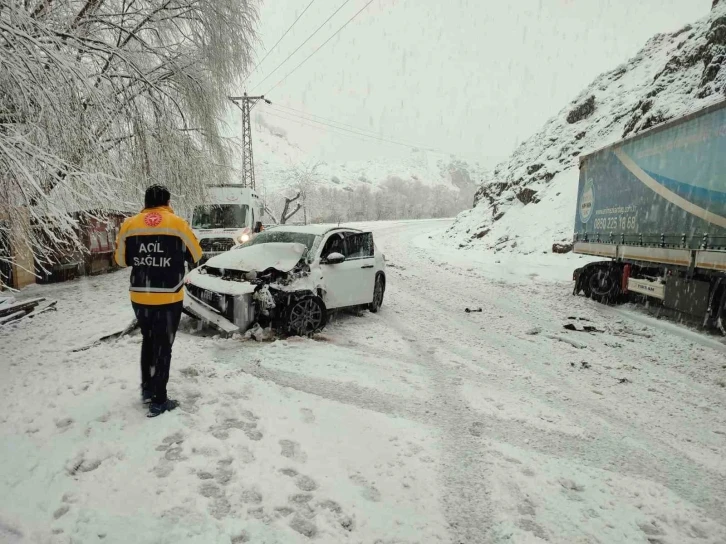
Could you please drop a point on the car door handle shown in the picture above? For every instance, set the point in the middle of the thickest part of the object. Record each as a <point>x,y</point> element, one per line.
<point>368,266</point>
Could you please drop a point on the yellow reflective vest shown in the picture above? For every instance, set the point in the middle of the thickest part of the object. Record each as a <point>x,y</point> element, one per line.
<point>155,244</point>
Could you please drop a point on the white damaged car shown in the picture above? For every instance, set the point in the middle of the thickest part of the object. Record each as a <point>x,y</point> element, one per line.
<point>288,277</point>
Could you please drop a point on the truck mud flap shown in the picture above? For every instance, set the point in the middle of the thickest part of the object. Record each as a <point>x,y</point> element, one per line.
<point>687,296</point>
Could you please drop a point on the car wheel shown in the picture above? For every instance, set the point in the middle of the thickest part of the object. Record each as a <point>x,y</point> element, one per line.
<point>378,292</point>
<point>306,316</point>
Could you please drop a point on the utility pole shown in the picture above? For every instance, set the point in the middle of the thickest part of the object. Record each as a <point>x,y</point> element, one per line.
<point>248,163</point>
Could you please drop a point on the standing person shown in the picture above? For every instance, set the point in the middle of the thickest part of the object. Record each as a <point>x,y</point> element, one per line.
<point>156,243</point>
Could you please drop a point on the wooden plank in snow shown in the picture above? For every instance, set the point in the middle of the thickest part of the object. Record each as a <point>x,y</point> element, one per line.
<point>27,305</point>
<point>12,317</point>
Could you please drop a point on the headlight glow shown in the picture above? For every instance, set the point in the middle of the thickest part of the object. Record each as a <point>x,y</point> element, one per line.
<point>244,238</point>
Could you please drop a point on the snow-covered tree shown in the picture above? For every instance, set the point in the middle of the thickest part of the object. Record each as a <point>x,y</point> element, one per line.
<point>100,98</point>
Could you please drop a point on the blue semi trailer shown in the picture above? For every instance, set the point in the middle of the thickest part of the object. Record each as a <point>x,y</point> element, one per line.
<point>655,206</point>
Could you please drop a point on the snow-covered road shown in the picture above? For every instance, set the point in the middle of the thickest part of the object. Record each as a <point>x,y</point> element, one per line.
<point>422,423</point>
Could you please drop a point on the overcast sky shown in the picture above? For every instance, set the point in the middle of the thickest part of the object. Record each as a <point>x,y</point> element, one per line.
<point>474,77</point>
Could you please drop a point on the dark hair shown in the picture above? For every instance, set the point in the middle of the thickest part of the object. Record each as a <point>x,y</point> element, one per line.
<point>156,195</point>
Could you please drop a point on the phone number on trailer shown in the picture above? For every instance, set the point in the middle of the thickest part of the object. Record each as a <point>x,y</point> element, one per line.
<point>616,223</point>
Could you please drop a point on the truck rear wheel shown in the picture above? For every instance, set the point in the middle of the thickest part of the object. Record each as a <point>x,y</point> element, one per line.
<point>721,314</point>
<point>604,284</point>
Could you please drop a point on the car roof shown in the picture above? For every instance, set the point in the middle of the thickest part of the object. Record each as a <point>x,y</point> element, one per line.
<point>317,230</point>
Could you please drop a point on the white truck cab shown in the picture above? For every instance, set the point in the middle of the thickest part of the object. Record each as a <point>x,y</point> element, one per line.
<point>230,217</point>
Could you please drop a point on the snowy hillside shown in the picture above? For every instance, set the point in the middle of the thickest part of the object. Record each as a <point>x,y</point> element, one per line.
<point>529,201</point>
<point>276,154</point>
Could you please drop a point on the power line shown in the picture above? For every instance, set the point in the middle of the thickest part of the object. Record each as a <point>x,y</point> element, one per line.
<point>323,45</point>
<point>301,120</point>
<point>302,44</point>
<point>361,131</point>
<point>343,132</point>
<point>318,118</point>
<point>278,42</point>
<point>357,131</point>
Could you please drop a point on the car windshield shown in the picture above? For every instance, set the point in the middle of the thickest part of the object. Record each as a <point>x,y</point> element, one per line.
<point>284,237</point>
<point>220,216</point>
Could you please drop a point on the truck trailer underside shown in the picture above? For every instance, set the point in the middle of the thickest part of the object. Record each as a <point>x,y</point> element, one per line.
<point>687,282</point>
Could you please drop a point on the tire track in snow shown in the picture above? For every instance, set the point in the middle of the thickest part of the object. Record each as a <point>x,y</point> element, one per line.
<point>464,465</point>
<point>620,443</point>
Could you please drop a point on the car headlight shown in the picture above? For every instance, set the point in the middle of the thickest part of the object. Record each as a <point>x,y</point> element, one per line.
<point>244,238</point>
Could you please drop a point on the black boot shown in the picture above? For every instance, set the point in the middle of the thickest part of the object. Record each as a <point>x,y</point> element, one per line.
<point>146,394</point>
<point>158,408</point>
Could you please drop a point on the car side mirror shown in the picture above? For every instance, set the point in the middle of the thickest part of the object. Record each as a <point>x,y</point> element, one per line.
<point>334,258</point>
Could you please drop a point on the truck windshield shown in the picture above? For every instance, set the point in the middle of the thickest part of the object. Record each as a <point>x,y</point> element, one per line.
<point>220,216</point>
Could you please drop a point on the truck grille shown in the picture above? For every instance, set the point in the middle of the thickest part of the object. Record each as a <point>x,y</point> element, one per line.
<point>224,304</point>
<point>216,244</point>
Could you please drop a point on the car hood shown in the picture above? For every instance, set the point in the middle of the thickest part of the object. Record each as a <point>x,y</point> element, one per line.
<point>260,257</point>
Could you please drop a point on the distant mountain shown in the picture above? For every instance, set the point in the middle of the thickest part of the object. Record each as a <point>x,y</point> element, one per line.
<point>528,202</point>
<point>276,156</point>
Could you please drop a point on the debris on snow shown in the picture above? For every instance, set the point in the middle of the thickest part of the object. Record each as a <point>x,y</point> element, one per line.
<point>629,330</point>
<point>573,343</point>
<point>264,299</point>
<point>260,334</point>
<point>12,310</point>
<point>585,328</point>
<point>562,247</point>
<point>11,317</point>
<point>113,336</point>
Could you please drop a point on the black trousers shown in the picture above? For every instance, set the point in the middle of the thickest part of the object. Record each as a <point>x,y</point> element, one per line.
<point>158,326</point>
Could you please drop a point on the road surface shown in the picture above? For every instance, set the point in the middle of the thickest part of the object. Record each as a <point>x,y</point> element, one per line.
<point>423,423</point>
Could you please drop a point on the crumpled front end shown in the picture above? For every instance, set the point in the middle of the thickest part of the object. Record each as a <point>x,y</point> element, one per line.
<point>234,300</point>
<point>211,299</point>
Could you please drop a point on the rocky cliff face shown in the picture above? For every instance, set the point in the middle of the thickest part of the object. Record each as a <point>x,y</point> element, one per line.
<point>528,202</point>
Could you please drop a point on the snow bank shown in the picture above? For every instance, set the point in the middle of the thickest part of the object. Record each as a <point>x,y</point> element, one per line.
<point>529,201</point>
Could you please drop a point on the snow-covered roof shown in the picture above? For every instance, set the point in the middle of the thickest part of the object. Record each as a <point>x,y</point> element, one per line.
<point>317,230</point>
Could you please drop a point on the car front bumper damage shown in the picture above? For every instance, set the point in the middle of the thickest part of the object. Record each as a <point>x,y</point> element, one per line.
<point>236,313</point>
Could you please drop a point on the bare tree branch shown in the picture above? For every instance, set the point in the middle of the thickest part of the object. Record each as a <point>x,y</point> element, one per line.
<point>286,215</point>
